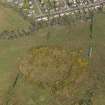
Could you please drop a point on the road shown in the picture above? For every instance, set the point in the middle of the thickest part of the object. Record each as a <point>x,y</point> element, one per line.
<point>68,11</point>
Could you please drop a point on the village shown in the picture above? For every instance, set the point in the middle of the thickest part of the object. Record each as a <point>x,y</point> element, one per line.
<point>43,10</point>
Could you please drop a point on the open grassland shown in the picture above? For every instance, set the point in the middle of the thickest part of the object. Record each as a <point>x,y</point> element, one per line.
<point>87,90</point>
<point>10,20</point>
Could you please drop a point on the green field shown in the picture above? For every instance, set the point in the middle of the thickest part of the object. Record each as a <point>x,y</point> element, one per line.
<point>73,37</point>
<point>10,20</point>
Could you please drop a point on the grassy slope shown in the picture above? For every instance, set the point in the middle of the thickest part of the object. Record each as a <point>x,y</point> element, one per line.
<point>72,37</point>
<point>10,20</point>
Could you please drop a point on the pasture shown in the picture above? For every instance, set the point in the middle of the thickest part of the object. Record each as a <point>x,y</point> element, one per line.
<point>88,90</point>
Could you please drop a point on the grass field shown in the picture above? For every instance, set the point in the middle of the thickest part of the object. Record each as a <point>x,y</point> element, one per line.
<point>10,20</point>
<point>72,37</point>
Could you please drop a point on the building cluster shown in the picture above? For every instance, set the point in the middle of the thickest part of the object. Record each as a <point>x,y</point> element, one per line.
<point>43,7</point>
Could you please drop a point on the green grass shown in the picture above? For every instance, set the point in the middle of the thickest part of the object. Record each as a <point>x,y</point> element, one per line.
<point>10,20</point>
<point>27,93</point>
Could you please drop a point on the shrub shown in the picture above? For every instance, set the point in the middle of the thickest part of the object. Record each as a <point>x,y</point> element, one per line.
<point>54,66</point>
